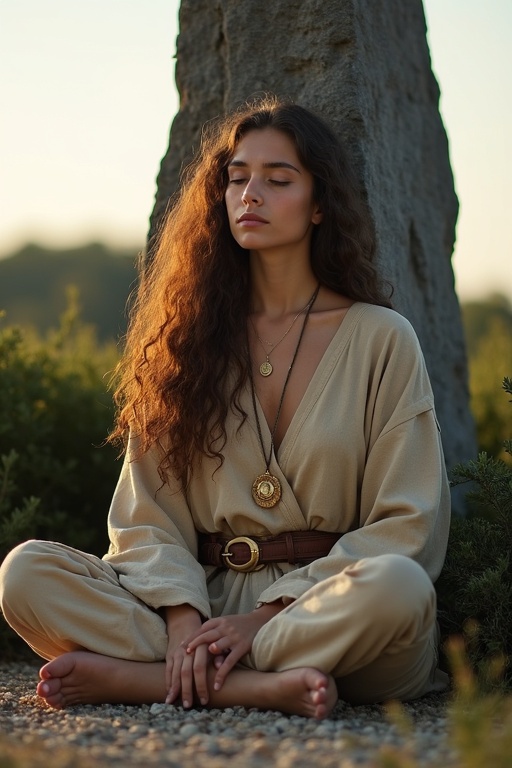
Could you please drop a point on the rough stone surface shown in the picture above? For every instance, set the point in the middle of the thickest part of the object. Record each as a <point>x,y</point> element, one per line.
<point>364,65</point>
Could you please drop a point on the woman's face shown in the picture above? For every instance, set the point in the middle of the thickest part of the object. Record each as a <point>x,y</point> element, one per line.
<point>269,197</point>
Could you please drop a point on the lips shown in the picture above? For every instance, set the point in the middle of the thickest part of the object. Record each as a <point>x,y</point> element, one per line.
<point>251,217</point>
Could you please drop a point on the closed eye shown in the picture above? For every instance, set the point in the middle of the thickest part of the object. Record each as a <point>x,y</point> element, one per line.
<point>274,182</point>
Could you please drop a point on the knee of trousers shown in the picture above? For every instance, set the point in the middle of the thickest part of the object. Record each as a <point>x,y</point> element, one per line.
<point>398,588</point>
<point>19,572</point>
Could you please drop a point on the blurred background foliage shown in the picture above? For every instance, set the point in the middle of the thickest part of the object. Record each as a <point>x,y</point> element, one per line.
<point>488,329</point>
<point>60,338</point>
<point>55,411</point>
<point>33,283</point>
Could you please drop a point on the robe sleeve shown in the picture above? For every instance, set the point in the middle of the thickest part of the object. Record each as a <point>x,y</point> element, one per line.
<point>153,541</point>
<point>404,498</point>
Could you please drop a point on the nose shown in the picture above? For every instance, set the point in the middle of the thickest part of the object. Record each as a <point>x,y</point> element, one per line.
<point>251,193</point>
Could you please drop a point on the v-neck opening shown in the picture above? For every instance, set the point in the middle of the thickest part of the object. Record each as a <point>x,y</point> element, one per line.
<point>340,336</point>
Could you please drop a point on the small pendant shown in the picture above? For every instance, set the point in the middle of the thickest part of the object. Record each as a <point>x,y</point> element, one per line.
<point>266,368</point>
<point>266,490</point>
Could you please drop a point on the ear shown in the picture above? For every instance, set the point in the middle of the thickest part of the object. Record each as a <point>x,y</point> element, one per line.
<point>317,216</point>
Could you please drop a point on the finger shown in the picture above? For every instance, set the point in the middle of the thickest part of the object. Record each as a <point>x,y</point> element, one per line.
<point>175,662</point>
<point>218,661</point>
<point>187,682</point>
<point>174,688</point>
<point>168,673</point>
<point>221,646</point>
<point>208,626</point>
<point>225,668</point>
<point>200,666</point>
<point>205,638</point>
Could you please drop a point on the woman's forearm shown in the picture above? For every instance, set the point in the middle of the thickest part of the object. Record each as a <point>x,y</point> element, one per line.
<point>182,616</point>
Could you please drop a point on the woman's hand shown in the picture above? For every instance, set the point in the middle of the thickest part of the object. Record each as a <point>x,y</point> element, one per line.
<point>230,637</point>
<point>185,673</point>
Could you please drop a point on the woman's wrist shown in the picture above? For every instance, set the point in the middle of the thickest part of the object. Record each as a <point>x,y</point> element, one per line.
<point>181,614</point>
<point>269,610</point>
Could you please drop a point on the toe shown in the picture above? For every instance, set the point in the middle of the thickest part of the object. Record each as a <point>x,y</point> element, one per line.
<point>43,690</point>
<point>48,688</point>
<point>319,696</point>
<point>44,672</point>
<point>50,691</point>
<point>57,702</point>
<point>61,666</point>
<point>316,680</point>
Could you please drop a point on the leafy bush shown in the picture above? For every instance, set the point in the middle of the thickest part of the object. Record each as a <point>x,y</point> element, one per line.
<point>475,587</point>
<point>55,414</point>
<point>488,330</point>
<point>479,724</point>
<point>56,479</point>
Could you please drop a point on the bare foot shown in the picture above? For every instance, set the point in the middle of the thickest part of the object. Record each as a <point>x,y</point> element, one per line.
<point>81,677</point>
<point>303,691</point>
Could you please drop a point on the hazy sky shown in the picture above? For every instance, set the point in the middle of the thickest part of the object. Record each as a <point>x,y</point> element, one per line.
<point>87,97</point>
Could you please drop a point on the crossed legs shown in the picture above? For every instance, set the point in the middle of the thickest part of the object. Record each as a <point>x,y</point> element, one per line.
<point>360,627</point>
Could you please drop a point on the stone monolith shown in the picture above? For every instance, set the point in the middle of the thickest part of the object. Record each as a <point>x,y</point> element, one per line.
<point>364,65</point>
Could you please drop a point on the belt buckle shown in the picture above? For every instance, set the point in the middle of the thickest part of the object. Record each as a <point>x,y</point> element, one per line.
<point>252,563</point>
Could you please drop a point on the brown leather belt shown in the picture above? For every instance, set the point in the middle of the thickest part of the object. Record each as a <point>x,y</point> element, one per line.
<point>247,553</point>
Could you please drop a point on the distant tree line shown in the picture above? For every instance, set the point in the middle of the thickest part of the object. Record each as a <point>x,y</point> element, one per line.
<point>34,282</point>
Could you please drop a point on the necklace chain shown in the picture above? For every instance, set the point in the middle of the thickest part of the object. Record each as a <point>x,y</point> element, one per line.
<point>308,308</point>
<point>266,367</point>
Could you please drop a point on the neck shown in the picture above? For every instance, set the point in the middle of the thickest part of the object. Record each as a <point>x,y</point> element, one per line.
<point>280,287</point>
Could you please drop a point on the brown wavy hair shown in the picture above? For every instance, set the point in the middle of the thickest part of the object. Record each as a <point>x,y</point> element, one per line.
<point>187,330</point>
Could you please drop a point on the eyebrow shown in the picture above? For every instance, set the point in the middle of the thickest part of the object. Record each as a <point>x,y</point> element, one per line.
<point>279,164</point>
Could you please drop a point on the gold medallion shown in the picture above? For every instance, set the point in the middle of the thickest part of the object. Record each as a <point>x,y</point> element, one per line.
<point>266,490</point>
<point>266,368</point>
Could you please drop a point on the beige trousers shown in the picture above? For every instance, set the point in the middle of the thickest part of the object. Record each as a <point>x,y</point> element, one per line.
<point>373,626</point>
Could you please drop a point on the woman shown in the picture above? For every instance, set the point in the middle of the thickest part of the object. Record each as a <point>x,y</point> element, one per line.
<point>283,506</point>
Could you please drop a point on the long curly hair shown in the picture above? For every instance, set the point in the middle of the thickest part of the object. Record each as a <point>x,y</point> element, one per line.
<point>186,360</point>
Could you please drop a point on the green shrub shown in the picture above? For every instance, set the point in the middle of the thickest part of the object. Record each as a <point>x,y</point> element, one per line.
<point>479,724</point>
<point>488,332</point>
<point>55,414</point>
<point>56,478</point>
<point>475,587</point>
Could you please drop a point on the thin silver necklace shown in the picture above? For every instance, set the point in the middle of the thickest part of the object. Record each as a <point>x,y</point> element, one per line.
<point>266,489</point>
<point>266,366</point>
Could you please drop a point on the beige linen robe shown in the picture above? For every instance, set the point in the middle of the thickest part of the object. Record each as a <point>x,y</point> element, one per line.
<point>362,457</point>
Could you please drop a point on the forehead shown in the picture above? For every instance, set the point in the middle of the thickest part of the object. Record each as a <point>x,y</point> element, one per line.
<point>266,145</point>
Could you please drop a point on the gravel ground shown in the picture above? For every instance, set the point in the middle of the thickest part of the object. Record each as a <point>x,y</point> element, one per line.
<point>159,735</point>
